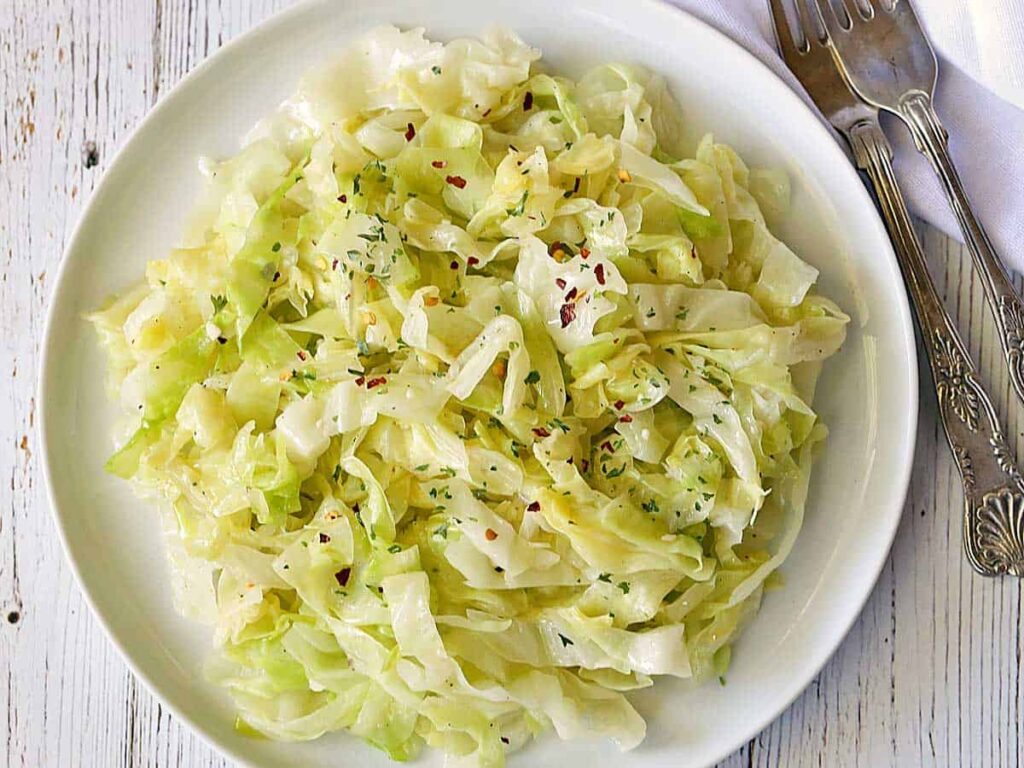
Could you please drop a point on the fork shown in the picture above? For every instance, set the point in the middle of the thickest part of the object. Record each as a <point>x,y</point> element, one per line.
<point>993,500</point>
<point>889,62</point>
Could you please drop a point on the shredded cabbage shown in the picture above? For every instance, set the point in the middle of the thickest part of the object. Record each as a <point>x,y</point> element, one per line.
<point>471,406</point>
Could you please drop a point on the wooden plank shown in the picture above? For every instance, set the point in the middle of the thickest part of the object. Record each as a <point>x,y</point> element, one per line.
<point>929,675</point>
<point>73,75</point>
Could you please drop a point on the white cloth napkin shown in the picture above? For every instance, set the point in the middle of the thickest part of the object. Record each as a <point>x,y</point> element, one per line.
<point>980,100</point>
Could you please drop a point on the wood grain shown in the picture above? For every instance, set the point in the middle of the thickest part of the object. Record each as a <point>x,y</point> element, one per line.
<point>929,675</point>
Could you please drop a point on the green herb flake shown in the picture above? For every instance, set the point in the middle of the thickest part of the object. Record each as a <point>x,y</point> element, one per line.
<point>520,206</point>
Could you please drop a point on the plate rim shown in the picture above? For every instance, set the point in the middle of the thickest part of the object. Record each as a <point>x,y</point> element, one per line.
<point>672,15</point>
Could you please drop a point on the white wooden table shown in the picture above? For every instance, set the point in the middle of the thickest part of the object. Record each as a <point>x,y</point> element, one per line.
<point>930,674</point>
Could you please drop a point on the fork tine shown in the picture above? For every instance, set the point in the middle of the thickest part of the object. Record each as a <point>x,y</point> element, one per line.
<point>827,15</point>
<point>812,32</point>
<point>788,44</point>
<point>866,9</point>
<point>872,6</point>
<point>846,12</point>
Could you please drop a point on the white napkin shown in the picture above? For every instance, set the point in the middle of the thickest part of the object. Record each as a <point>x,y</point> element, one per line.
<point>980,100</point>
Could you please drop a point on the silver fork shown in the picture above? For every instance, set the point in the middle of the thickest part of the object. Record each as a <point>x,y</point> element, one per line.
<point>889,62</point>
<point>993,501</point>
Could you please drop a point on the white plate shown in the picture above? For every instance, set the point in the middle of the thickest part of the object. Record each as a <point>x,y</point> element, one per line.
<point>113,541</point>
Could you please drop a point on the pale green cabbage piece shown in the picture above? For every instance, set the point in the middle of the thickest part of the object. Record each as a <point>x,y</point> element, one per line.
<point>474,399</point>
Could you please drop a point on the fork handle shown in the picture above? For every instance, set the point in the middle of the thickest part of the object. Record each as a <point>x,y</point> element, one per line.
<point>993,526</point>
<point>933,141</point>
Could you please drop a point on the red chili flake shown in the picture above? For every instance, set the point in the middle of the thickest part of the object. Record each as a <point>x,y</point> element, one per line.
<point>376,382</point>
<point>584,466</point>
<point>456,181</point>
<point>277,276</point>
<point>410,132</point>
<point>567,314</point>
<point>324,538</point>
<point>571,294</point>
<point>585,253</point>
<point>360,381</point>
<point>528,101</point>
<point>607,445</point>
<point>440,163</point>
<point>560,283</point>
<point>301,355</point>
<point>620,404</point>
<point>454,264</point>
<point>342,198</point>
<point>541,432</point>
<point>472,261</point>
<point>342,576</point>
<point>534,506</point>
<point>599,274</point>
<point>487,112</point>
<point>334,264</point>
<point>490,534</point>
<point>625,418</point>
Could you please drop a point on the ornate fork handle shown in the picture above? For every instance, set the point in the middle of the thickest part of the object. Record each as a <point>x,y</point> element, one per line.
<point>993,526</point>
<point>1007,307</point>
